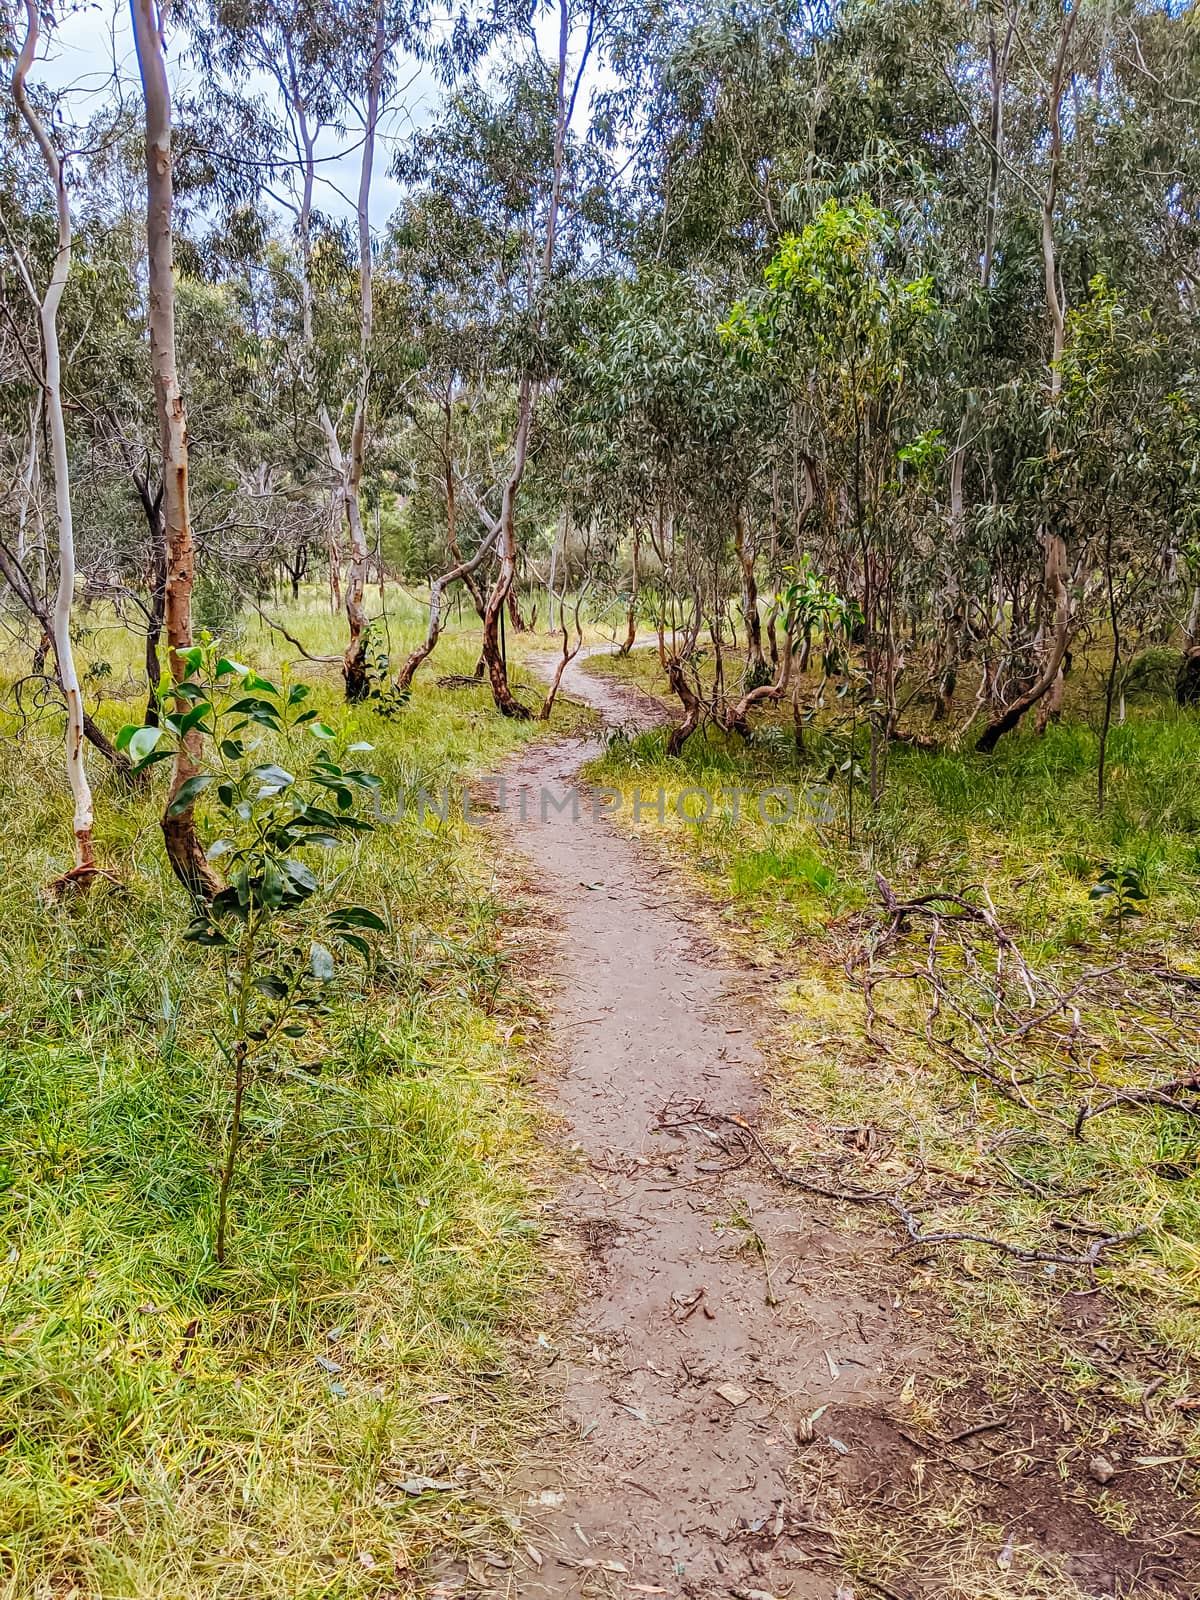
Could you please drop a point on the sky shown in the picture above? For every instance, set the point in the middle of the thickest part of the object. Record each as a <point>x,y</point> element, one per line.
<point>93,44</point>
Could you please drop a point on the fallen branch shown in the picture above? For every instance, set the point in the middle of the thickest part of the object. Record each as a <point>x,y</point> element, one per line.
<point>324,661</point>
<point>1159,1094</point>
<point>1087,1260</point>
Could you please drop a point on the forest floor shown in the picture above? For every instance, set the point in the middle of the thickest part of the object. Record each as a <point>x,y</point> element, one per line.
<point>759,1391</point>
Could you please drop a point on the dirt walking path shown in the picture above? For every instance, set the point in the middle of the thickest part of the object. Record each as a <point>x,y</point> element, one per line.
<point>731,1388</point>
<point>700,1344</point>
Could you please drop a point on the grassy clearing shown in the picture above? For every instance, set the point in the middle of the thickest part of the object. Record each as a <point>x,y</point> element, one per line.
<point>170,1430</point>
<point>982,1115</point>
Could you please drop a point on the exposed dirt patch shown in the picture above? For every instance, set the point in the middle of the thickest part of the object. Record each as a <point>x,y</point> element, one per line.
<point>732,1384</point>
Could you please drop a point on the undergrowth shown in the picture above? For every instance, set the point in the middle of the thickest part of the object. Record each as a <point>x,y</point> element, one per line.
<point>315,1417</point>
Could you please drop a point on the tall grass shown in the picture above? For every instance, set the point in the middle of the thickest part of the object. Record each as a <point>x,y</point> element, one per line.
<point>171,1429</point>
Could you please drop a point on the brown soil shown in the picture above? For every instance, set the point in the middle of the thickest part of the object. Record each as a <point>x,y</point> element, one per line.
<point>730,1386</point>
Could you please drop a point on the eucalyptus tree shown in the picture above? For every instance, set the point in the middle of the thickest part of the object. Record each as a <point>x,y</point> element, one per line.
<point>47,301</point>
<point>849,336</point>
<point>184,850</point>
<point>507,175</point>
<point>331,60</point>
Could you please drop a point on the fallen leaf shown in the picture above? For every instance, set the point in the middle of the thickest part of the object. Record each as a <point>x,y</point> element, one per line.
<point>426,1486</point>
<point>834,1370</point>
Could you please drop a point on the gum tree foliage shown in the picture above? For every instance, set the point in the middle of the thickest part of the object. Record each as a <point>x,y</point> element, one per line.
<point>271,924</point>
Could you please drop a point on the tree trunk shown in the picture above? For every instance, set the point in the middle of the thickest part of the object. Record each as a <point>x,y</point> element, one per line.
<point>47,305</point>
<point>756,666</point>
<point>1050,680</point>
<point>506,702</point>
<point>179,832</point>
<point>1059,598</point>
<point>464,569</point>
<point>682,731</point>
<point>355,662</point>
<point>631,620</point>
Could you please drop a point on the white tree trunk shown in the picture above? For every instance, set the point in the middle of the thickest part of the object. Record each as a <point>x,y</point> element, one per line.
<point>48,304</point>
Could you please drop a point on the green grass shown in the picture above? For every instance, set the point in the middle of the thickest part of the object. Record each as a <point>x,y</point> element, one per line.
<point>170,1429</point>
<point>1022,829</point>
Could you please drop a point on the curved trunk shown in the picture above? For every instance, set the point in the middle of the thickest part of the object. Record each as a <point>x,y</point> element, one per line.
<point>497,667</point>
<point>682,731</point>
<point>1051,675</point>
<point>433,632</point>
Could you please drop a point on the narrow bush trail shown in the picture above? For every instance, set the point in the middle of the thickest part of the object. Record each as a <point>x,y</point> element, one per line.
<point>734,1386</point>
<point>713,1320</point>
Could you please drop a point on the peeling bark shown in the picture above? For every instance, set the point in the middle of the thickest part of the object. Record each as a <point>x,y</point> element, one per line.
<point>47,308</point>
<point>183,847</point>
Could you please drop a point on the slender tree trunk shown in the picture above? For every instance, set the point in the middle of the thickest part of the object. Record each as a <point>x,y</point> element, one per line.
<point>491,651</point>
<point>755,662</point>
<point>157,573</point>
<point>506,702</point>
<point>47,305</point>
<point>437,588</point>
<point>1057,595</point>
<point>179,832</point>
<point>635,585</point>
<point>355,663</point>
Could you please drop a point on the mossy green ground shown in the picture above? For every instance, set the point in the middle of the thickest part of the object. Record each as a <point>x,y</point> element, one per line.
<point>170,1429</point>
<point>1020,828</point>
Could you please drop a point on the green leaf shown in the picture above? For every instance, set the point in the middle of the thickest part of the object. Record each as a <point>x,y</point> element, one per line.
<point>272,987</point>
<point>271,776</point>
<point>303,879</point>
<point>142,741</point>
<point>194,717</point>
<point>271,889</point>
<point>207,933</point>
<point>356,942</point>
<point>321,961</point>
<point>185,796</point>
<point>322,730</point>
<point>356,917</point>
